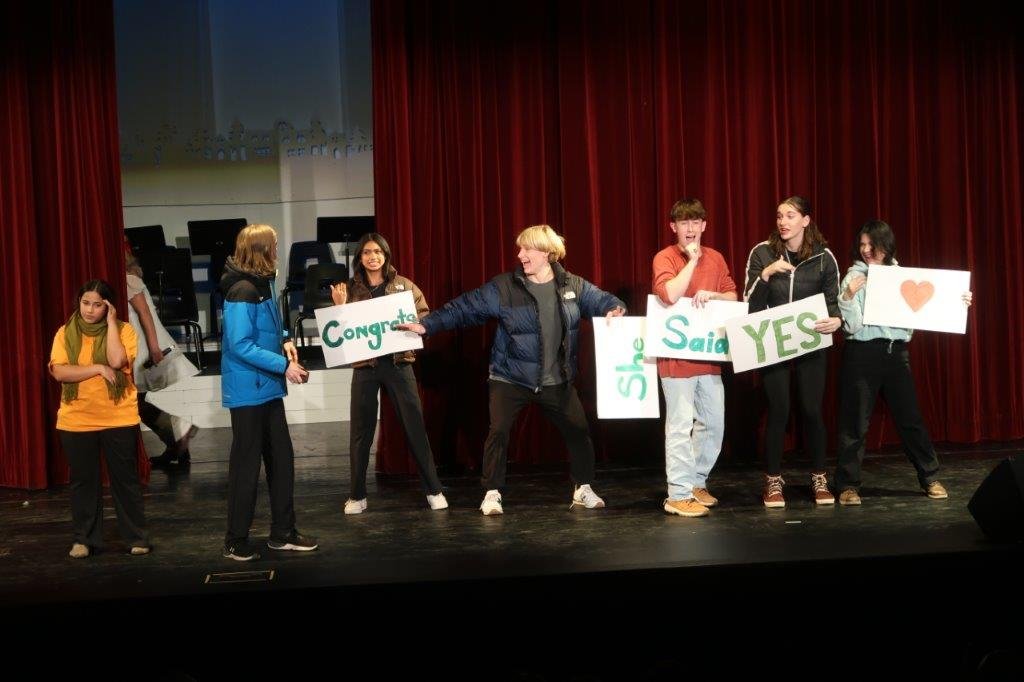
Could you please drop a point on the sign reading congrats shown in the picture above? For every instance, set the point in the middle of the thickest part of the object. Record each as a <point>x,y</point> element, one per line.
<point>683,331</point>
<point>359,331</point>
<point>777,334</point>
<point>627,385</point>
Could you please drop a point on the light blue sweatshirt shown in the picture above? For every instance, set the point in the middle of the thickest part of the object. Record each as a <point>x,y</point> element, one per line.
<point>853,312</point>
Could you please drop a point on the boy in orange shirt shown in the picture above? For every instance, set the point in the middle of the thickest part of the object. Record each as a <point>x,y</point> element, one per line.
<point>694,395</point>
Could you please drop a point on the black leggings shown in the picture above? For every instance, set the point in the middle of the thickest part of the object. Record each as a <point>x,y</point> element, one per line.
<point>810,379</point>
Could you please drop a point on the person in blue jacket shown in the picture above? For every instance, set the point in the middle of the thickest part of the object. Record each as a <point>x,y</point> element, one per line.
<point>533,359</point>
<point>256,358</point>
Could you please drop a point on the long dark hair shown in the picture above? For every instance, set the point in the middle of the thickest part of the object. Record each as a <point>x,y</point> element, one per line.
<point>99,286</point>
<point>812,235</point>
<point>378,239</point>
<point>881,236</point>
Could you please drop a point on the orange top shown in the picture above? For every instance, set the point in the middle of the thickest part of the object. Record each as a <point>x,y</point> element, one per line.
<point>711,274</point>
<point>93,410</point>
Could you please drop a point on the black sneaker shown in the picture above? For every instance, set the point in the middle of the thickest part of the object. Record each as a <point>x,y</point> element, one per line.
<point>240,551</point>
<point>294,541</point>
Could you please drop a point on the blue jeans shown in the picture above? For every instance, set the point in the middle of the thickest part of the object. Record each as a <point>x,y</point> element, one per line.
<point>694,428</point>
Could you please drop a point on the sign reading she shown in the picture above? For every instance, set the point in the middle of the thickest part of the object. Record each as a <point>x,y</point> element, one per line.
<point>627,384</point>
<point>682,331</point>
<point>359,331</point>
<point>777,334</point>
<point>916,298</point>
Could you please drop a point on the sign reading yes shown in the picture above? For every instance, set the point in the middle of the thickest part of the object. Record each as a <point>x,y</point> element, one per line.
<point>777,334</point>
<point>359,331</point>
<point>683,331</point>
<point>627,385</point>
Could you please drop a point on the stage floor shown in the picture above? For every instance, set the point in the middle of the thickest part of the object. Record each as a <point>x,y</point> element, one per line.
<point>630,556</point>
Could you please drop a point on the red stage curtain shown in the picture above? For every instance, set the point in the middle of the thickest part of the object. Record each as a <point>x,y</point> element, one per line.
<point>60,210</point>
<point>595,116</point>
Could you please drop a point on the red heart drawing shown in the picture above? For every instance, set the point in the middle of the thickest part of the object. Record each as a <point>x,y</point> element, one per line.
<point>916,294</point>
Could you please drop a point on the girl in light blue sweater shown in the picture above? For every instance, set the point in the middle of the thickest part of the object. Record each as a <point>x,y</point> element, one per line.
<point>876,360</point>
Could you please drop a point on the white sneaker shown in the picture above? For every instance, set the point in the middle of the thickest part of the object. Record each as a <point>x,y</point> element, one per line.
<point>492,503</point>
<point>355,506</point>
<point>585,496</point>
<point>437,502</point>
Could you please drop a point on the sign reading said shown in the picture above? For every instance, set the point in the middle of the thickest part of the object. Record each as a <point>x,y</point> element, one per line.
<point>916,298</point>
<point>359,331</point>
<point>627,384</point>
<point>777,334</point>
<point>683,331</point>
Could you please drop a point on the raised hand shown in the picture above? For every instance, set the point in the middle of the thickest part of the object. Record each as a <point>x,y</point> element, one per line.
<point>111,313</point>
<point>339,293</point>
<point>855,284</point>
<point>781,265</point>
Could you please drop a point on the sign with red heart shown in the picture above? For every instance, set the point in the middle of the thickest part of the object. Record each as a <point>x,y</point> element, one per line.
<point>916,294</point>
<point>916,298</point>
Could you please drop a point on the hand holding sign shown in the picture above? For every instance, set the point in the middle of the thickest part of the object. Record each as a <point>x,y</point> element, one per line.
<point>414,327</point>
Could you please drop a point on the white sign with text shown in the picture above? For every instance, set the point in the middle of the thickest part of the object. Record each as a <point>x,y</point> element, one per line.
<point>777,334</point>
<point>627,384</point>
<point>685,332</point>
<point>916,298</point>
<point>359,331</point>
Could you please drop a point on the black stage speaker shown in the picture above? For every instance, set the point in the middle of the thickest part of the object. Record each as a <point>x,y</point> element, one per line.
<point>998,504</point>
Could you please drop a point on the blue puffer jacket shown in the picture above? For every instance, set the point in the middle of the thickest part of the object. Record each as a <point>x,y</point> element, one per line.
<point>252,365</point>
<point>517,349</point>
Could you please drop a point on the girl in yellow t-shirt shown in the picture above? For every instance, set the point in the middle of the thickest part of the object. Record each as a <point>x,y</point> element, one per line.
<point>99,410</point>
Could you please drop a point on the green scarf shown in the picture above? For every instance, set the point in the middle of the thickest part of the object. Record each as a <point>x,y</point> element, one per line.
<point>74,329</point>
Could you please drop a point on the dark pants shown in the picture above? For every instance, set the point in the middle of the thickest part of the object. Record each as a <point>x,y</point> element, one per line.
<point>157,420</point>
<point>561,405</point>
<point>810,380</point>
<point>870,367</point>
<point>400,383</point>
<point>260,432</point>
<point>83,452</point>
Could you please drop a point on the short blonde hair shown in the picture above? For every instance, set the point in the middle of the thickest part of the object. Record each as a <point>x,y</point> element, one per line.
<point>254,250</point>
<point>543,238</point>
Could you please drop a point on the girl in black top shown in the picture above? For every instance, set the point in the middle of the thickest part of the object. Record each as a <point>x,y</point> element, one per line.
<point>794,263</point>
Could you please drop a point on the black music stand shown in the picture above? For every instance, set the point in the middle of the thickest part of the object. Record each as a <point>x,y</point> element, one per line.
<point>344,229</point>
<point>216,239</point>
<point>149,247</point>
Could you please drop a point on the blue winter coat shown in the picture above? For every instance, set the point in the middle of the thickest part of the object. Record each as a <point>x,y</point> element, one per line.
<point>252,364</point>
<point>518,347</point>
